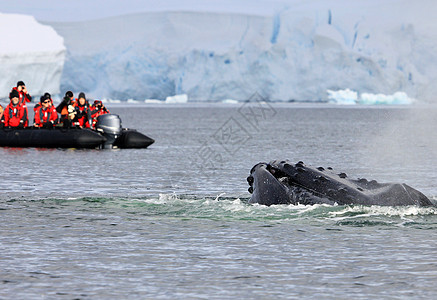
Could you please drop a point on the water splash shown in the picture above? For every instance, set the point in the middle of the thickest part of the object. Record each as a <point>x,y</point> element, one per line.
<point>237,209</point>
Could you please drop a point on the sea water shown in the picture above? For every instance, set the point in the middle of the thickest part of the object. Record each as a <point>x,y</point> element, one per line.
<point>172,221</point>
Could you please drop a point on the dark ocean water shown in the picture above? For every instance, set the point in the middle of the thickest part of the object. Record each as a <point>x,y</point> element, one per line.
<point>172,221</point>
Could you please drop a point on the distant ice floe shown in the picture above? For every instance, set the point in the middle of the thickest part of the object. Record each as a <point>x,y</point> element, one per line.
<point>398,98</point>
<point>153,101</point>
<point>349,97</point>
<point>230,101</point>
<point>177,99</point>
<point>345,97</point>
<point>113,101</point>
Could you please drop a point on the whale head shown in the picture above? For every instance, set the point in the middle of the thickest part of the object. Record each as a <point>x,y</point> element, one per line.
<point>282,182</point>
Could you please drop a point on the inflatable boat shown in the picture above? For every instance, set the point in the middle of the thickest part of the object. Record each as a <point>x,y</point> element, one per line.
<point>108,134</point>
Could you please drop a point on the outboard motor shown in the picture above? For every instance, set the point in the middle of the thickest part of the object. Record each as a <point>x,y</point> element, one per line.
<point>109,125</point>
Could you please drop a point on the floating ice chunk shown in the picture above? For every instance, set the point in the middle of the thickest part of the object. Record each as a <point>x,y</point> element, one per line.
<point>398,98</point>
<point>156,101</point>
<point>345,97</point>
<point>348,97</point>
<point>177,99</point>
<point>230,101</point>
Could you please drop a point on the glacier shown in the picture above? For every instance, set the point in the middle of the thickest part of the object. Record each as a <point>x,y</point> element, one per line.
<point>31,52</point>
<point>298,53</point>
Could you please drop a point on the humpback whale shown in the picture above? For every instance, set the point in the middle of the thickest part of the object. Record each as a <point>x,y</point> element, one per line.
<point>282,182</point>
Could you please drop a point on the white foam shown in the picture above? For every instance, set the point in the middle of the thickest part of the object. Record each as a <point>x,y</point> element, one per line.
<point>359,211</point>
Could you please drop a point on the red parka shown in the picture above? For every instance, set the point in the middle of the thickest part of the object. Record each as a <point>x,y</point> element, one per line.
<point>23,96</point>
<point>15,115</point>
<point>45,115</point>
<point>83,115</point>
<point>23,99</point>
<point>96,111</point>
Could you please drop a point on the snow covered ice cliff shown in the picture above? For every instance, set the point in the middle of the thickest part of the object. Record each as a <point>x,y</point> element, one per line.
<point>31,52</point>
<point>298,53</point>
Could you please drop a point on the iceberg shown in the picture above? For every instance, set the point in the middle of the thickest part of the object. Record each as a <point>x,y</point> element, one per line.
<point>398,98</point>
<point>31,52</point>
<point>230,101</point>
<point>177,99</point>
<point>346,97</point>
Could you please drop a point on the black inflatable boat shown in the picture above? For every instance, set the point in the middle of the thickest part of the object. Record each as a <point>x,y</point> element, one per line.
<point>108,134</point>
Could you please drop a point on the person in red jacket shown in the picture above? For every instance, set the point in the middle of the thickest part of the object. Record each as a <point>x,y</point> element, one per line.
<point>82,111</point>
<point>23,96</point>
<point>15,114</point>
<point>45,114</point>
<point>97,109</point>
<point>41,99</point>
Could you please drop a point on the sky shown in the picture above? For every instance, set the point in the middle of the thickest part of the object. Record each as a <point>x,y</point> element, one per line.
<point>83,10</point>
<point>80,10</point>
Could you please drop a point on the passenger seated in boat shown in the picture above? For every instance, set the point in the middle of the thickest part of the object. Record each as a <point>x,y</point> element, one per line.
<point>15,114</point>
<point>82,111</point>
<point>45,114</point>
<point>97,109</point>
<point>66,109</point>
<point>41,99</point>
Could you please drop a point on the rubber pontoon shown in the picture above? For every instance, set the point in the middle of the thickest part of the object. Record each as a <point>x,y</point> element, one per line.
<point>50,138</point>
<point>104,137</point>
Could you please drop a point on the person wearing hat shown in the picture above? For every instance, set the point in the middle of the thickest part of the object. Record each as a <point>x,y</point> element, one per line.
<point>64,109</point>
<point>82,112</point>
<point>23,96</point>
<point>45,114</point>
<point>97,109</point>
<point>43,97</point>
<point>15,114</point>
<point>22,90</point>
